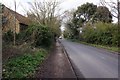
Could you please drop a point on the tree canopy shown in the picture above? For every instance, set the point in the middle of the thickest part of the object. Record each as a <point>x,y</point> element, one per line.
<point>103,14</point>
<point>88,13</point>
<point>85,11</point>
<point>46,13</point>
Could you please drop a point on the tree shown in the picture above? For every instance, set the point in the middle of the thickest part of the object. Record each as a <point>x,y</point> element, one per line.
<point>46,13</point>
<point>39,35</point>
<point>68,15</point>
<point>115,9</point>
<point>85,11</point>
<point>103,14</point>
<point>70,27</point>
<point>73,29</point>
<point>113,5</point>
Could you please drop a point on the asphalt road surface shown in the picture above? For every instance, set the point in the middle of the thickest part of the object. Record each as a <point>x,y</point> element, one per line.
<point>92,62</point>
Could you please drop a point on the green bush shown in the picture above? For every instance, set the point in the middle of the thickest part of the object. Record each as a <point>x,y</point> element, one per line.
<point>39,35</point>
<point>24,65</point>
<point>8,36</point>
<point>67,34</point>
<point>36,34</point>
<point>103,34</point>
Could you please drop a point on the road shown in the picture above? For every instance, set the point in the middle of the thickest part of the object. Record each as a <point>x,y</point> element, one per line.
<point>92,62</point>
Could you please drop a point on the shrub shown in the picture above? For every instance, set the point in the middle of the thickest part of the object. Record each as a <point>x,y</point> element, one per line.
<point>39,35</point>
<point>24,65</point>
<point>67,34</point>
<point>103,34</point>
<point>8,36</point>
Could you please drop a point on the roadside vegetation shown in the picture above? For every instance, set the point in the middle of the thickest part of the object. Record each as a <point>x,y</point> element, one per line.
<point>109,48</point>
<point>32,45</point>
<point>92,24</point>
<point>23,66</point>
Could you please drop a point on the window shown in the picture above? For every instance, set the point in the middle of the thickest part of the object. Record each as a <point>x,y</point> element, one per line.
<point>4,20</point>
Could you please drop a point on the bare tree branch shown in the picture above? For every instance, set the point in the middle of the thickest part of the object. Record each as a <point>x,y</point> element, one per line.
<point>112,5</point>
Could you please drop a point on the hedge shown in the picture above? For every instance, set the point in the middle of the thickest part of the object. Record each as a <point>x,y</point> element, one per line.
<point>101,33</point>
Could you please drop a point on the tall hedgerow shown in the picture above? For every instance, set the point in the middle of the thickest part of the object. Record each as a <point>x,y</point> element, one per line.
<point>38,35</point>
<point>101,33</point>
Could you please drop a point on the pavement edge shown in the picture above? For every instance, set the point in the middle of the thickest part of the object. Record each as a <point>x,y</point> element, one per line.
<point>70,62</point>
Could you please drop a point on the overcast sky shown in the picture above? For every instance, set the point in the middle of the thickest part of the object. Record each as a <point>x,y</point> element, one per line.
<point>22,5</point>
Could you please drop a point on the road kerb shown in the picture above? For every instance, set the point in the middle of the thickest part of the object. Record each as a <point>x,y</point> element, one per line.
<point>65,52</point>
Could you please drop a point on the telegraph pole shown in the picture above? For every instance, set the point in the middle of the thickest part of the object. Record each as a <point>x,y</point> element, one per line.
<point>118,6</point>
<point>15,24</point>
<point>118,9</point>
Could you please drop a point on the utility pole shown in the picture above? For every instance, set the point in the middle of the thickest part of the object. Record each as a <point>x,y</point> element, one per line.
<point>118,9</point>
<point>15,24</point>
<point>118,6</point>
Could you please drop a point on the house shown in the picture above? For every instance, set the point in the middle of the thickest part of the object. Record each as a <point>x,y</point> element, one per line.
<point>11,18</point>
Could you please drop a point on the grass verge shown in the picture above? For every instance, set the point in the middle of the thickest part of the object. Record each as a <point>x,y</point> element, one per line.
<point>23,66</point>
<point>113,49</point>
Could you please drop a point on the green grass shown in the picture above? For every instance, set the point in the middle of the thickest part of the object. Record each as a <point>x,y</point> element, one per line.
<point>110,48</point>
<point>24,65</point>
<point>115,49</point>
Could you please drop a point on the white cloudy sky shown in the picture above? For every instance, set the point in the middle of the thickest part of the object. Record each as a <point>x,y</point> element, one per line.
<point>22,5</point>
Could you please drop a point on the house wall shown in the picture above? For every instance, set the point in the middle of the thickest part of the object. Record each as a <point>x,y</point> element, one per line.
<point>10,23</point>
<point>23,27</point>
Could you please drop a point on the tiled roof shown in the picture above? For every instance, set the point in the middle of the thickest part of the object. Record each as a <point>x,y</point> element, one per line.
<point>22,19</point>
